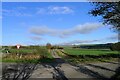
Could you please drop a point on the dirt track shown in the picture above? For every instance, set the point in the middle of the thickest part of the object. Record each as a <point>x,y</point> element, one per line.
<point>59,67</point>
<point>64,70</point>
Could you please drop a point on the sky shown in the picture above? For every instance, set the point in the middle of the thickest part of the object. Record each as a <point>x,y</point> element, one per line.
<point>58,23</point>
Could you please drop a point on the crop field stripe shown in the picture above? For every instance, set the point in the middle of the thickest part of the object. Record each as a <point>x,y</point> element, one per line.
<point>89,52</point>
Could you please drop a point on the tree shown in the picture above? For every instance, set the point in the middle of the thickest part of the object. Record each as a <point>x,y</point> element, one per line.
<point>115,46</point>
<point>48,46</point>
<point>110,12</point>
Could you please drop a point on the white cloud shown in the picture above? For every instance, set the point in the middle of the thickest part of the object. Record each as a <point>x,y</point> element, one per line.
<point>42,30</point>
<point>21,11</point>
<point>79,42</point>
<point>79,29</point>
<point>55,10</point>
<point>37,38</point>
<point>41,11</point>
<point>21,8</point>
<point>60,10</point>
<point>7,11</point>
<point>13,12</point>
<point>107,39</point>
<point>83,28</point>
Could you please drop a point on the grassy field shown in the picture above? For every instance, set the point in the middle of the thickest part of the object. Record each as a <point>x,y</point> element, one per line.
<point>21,51</point>
<point>73,51</point>
<point>77,55</point>
<point>41,54</point>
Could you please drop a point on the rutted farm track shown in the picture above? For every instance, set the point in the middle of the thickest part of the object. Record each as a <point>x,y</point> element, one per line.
<point>59,68</point>
<point>55,54</point>
<point>65,70</point>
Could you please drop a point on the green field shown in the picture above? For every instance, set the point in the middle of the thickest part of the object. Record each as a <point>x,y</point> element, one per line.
<point>76,55</point>
<point>21,51</point>
<point>42,54</point>
<point>72,51</point>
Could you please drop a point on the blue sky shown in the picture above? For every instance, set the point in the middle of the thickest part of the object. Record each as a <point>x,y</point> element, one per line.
<point>54,22</point>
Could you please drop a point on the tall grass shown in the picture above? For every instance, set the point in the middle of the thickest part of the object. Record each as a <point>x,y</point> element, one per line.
<point>29,54</point>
